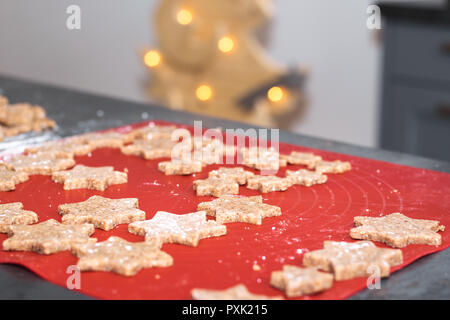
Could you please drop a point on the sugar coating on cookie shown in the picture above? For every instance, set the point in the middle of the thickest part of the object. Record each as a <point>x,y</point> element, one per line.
<point>47,237</point>
<point>40,163</point>
<point>120,256</point>
<point>305,177</point>
<point>336,166</point>
<point>13,214</point>
<point>228,209</point>
<point>150,149</point>
<point>187,229</point>
<point>296,281</point>
<point>180,167</point>
<point>397,230</point>
<point>237,292</point>
<point>301,158</point>
<point>347,260</point>
<point>10,177</point>
<point>237,174</point>
<point>269,183</point>
<point>216,187</point>
<point>103,213</point>
<point>96,178</point>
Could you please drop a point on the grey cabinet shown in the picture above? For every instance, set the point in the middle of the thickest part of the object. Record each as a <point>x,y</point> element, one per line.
<point>416,85</point>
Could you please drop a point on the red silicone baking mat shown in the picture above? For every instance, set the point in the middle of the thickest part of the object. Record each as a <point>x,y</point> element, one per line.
<point>310,216</point>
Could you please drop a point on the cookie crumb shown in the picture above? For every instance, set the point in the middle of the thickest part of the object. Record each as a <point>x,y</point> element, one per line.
<point>256,267</point>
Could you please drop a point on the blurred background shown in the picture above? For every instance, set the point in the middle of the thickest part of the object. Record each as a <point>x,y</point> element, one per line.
<point>340,79</point>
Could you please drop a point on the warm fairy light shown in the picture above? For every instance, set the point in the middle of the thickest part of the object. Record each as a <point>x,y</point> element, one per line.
<point>204,92</point>
<point>152,58</point>
<point>275,94</point>
<point>184,17</point>
<point>225,44</point>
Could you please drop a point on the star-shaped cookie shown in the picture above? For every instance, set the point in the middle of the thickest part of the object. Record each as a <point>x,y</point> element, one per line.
<point>237,174</point>
<point>107,139</point>
<point>239,209</point>
<point>298,282</point>
<point>264,159</point>
<point>104,213</point>
<point>336,166</point>
<point>187,229</point>
<point>13,131</point>
<point>10,177</point>
<point>120,256</point>
<point>301,158</point>
<point>215,186</point>
<point>211,151</point>
<point>350,260</point>
<point>397,230</point>
<point>269,183</point>
<point>70,147</point>
<point>37,125</point>
<point>40,163</point>
<point>152,131</point>
<point>180,167</point>
<point>22,114</point>
<point>238,292</point>
<point>13,214</point>
<point>305,177</point>
<point>97,178</point>
<point>150,149</point>
<point>47,237</point>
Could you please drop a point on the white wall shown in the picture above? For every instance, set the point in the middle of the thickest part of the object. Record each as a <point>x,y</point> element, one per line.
<point>331,38</point>
<point>328,36</point>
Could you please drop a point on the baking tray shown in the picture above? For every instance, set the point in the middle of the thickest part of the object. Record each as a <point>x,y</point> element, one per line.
<point>310,216</point>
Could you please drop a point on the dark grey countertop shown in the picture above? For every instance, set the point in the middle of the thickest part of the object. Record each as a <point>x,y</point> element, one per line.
<point>76,112</point>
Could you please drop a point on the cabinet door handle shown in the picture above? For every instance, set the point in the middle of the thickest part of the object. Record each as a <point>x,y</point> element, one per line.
<point>443,110</point>
<point>445,47</point>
